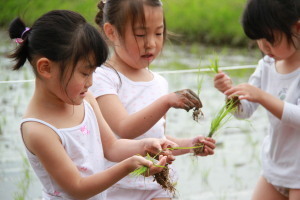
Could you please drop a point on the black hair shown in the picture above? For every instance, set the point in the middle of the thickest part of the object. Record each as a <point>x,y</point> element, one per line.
<point>61,36</point>
<point>119,13</point>
<point>262,17</point>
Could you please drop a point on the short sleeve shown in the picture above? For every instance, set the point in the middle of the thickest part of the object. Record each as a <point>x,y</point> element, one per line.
<point>105,81</point>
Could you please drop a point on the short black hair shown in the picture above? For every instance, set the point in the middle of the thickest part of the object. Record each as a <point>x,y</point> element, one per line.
<point>262,17</point>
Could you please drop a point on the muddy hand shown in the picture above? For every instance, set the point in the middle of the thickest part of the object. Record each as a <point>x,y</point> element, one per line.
<point>188,100</point>
<point>208,147</point>
<point>156,147</point>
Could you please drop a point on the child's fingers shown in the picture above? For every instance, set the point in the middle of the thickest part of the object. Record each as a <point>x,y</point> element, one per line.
<point>210,144</point>
<point>168,144</point>
<point>158,166</point>
<point>162,160</point>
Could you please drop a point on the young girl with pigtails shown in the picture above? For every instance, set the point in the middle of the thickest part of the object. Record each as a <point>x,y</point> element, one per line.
<point>133,99</point>
<point>65,136</point>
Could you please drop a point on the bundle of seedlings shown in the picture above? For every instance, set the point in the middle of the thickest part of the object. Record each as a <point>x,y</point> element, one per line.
<point>214,66</point>
<point>223,116</point>
<point>162,178</point>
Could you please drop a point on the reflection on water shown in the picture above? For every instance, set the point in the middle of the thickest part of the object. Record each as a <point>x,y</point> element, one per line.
<point>229,174</point>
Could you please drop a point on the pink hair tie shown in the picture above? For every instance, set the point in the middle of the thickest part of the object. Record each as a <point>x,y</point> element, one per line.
<point>20,40</point>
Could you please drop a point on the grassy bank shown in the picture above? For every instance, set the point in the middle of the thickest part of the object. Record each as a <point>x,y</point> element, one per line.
<point>208,21</point>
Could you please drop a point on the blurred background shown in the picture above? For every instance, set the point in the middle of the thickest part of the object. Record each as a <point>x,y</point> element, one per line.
<point>205,29</point>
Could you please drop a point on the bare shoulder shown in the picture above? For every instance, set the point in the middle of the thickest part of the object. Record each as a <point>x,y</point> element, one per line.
<point>37,136</point>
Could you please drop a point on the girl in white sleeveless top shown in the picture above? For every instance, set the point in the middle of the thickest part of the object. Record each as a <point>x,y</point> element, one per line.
<point>65,135</point>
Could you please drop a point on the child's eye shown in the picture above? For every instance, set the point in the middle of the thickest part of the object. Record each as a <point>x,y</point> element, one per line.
<point>159,34</point>
<point>140,35</point>
<point>85,74</point>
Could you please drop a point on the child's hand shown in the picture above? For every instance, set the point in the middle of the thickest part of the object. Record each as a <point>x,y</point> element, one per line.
<point>185,99</point>
<point>158,146</point>
<point>245,91</point>
<point>209,145</point>
<point>222,82</point>
<point>139,161</point>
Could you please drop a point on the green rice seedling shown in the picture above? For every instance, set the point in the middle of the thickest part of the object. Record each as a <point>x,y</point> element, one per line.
<point>163,177</point>
<point>214,64</point>
<point>199,81</point>
<point>142,170</point>
<point>221,118</point>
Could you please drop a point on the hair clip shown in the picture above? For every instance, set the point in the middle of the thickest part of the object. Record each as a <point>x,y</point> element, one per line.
<point>26,29</point>
<point>20,40</point>
<point>104,1</point>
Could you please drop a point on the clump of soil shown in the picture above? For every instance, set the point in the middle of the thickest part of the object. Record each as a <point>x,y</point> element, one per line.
<point>196,113</point>
<point>235,100</point>
<point>198,150</point>
<point>163,179</point>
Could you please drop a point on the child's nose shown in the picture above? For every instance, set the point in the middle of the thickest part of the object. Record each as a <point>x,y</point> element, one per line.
<point>150,43</point>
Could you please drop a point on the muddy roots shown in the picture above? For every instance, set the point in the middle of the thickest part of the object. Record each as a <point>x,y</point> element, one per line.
<point>196,113</point>
<point>163,179</point>
<point>200,148</point>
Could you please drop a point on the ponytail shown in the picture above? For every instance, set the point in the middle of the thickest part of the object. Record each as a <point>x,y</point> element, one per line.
<point>99,16</point>
<point>18,31</point>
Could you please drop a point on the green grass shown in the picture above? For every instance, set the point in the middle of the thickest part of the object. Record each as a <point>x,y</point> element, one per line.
<point>206,21</point>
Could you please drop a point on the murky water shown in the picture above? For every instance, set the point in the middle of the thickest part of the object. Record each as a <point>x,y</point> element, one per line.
<point>229,174</point>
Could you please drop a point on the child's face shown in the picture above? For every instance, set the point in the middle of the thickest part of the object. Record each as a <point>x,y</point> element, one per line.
<point>280,50</point>
<point>142,45</point>
<point>79,82</point>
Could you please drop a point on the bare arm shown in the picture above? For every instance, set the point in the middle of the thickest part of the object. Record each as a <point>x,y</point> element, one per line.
<point>45,144</point>
<point>112,146</point>
<point>134,125</point>
<point>209,145</point>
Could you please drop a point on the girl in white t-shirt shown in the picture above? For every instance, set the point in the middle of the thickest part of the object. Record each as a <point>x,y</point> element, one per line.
<point>132,98</point>
<point>65,135</point>
<point>275,84</point>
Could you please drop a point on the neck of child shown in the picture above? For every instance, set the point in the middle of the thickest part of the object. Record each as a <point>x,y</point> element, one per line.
<point>48,100</point>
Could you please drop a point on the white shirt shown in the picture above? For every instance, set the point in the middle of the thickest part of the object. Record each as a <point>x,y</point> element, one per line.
<point>84,147</point>
<point>281,146</point>
<point>134,96</point>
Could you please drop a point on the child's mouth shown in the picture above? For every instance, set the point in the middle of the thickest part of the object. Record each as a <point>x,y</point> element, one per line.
<point>147,56</point>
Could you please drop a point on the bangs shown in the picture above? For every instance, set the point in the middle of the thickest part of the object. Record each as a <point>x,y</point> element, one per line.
<point>257,25</point>
<point>88,44</point>
<point>261,19</point>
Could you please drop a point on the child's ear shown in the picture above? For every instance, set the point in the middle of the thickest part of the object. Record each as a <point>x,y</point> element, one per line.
<point>110,32</point>
<point>43,67</point>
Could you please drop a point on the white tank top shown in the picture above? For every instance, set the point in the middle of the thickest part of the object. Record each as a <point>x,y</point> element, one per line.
<point>83,145</point>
